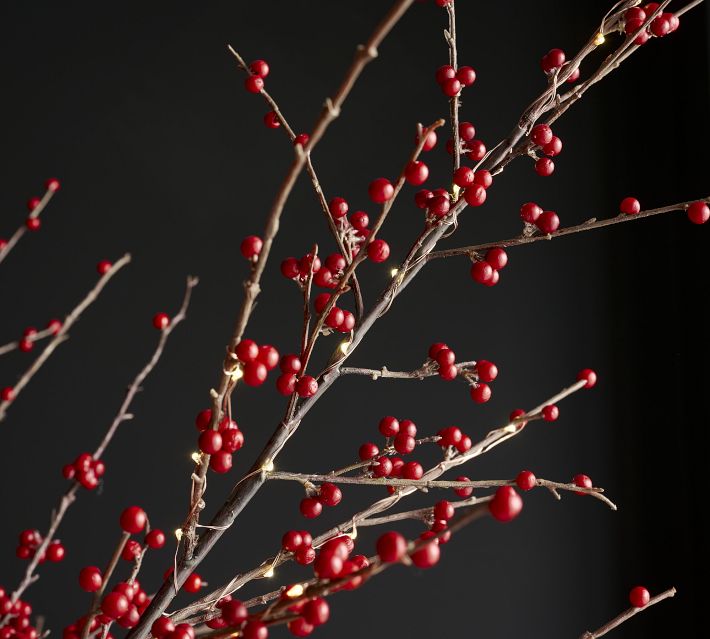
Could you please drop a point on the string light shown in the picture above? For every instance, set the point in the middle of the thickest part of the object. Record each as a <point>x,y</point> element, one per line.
<point>394,272</point>
<point>600,39</point>
<point>178,533</point>
<point>295,591</point>
<point>344,347</point>
<point>268,466</point>
<point>269,573</point>
<point>238,373</point>
<point>510,428</point>
<point>195,457</point>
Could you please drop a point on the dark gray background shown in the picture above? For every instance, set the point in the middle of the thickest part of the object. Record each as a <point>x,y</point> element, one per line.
<point>139,110</point>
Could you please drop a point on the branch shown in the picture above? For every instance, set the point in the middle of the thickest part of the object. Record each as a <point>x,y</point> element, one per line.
<point>589,225</point>
<point>34,337</point>
<point>7,246</point>
<point>428,369</point>
<point>63,333</point>
<point>450,36</point>
<point>627,614</point>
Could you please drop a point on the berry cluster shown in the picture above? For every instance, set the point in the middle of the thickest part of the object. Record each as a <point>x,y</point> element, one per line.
<point>335,560</point>
<point>30,335</point>
<point>256,361</point>
<point>472,148</point>
<point>254,82</point>
<point>18,615</point>
<point>221,443</point>
<point>660,26</point>
<point>164,628</point>
<point>478,377</point>
<point>549,144</point>
<point>553,60</point>
<point>547,222</point>
<point>451,80</point>
<point>327,495</point>
<point>86,470</point>
<point>291,380</point>
<point>392,547</point>
<point>30,540</point>
<point>299,542</point>
<point>486,271</point>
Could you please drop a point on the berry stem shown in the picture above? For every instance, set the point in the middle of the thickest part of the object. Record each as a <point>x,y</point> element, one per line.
<point>450,36</point>
<point>34,337</point>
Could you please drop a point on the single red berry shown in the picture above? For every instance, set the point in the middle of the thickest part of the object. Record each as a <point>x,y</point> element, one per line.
<point>506,504</point>
<point>530,212</point>
<point>635,13</point>
<point>359,220</point>
<point>26,345</point>
<point>259,67</point>
<point>550,413</point>
<point>639,597</point>
<point>306,386</point>
<point>487,371</point>
<point>383,467</point>
<point>221,462</point>
<point>52,184</point>
<point>450,436</point>
<point>548,222</point>
<point>251,246</point>
<point>391,547</point>
<point>336,262</point>
<point>541,134</point>
<point>338,207</point>
<point>268,356</point>
<point>305,555</point>
<point>302,139</point>
<point>329,494</point>
<point>481,271</point>
<point>484,178</point>
<point>427,555</point>
<point>55,552</point>
<point>389,426</point>
<point>430,141</point>
<point>33,223</point>
<point>412,470</point>
<point>162,627</point>
<point>554,146</point>
<point>103,267</point>
<point>234,612</point>
<point>131,551</point>
<point>133,519</point>
<point>114,605</point>
<point>444,73</point>
<point>544,167</point>
<point>380,190</point>
<point>439,205</point>
<point>299,627</point>
<point>310,507</point>
<point>155,539</point>
<point>321,302</point>
<point>290,268</point>
<point>466,76</point>
<point>328,565</point>
<point>408,427</point>
<point>464,176</point>
<point>475,195</point>
<point>404,444</point>
<point>232,440</point>
<point>589,376</point>
<point>698,213</point>
<point>203,419</point>
<point>33,203</point>
<point>630,206</point>
<point>526,480</point>
<point>660,26</point>
<point>378,251</point>
<point>210,442</point>
<point>54,325</point>
<point>161,321</point>
<point>247,350</point>
<point>68,471</point>
<point>497,258</point>
<point>583,481</point>
<point>476,150</point>
<point>368,451</point>
<point>292,540</point>
<point>467,131</point>
<point>480,393</point>
<point>553,59</point>
<point>445,357</point>
<point>290,363</point>
<point>254,84</point>
<point>435,348</point>
<point>3,243</point>
<point>467,491</point>
<point>443,510</point>
<point>316,611</point>
<point>90,579</point>
<point>193,583</point>
<point>416,172</point>
<point>286,383</point>
<point>451,87</point>
<point>271,120</point>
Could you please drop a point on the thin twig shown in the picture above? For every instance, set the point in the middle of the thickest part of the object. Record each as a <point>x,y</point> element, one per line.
<point>627,614</point>
<point>63,333</point>
<point>428,369</point>
<point>34,337</point>
<point>450,36</point>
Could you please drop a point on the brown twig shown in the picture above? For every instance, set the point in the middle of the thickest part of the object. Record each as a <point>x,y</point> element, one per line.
<point>428,369</point>
<point>450,36</point>
<point>589,225</point>
<point>22,229</point>
<point>63,333</point>
<point>34,337</point>
<point>627,614</point>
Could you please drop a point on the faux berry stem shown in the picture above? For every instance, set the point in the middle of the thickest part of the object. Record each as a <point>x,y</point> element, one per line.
<point>450,35</point>
<point>67,499</point>
<point>63,333</point>
<point>589,225</point>
<point>310,169</point>
<point>34,337</point>
<point>428,369</point>
<point>627,614</point>
<point>431,483</point>
<point>22,229</point>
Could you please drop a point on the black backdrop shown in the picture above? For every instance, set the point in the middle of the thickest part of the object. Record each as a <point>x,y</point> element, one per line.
<point>139,110</point>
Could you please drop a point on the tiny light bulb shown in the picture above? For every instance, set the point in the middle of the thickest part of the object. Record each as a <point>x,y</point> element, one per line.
<point>600,39</point>
<point>344,347</point>
<point>238,373</point>
<point>295,591</point>
<point>268,466</point>
<point>353,534</point>
<point>510,428</point>
<point>394,272</point>
<point>270,572</point>
<point>195,457</point>
<point>178,533</point>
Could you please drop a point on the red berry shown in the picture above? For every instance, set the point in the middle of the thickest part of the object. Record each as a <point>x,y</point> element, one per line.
<point>391,547</point>
<point>290,364</point>
<point>698,213</point>
<point>289,268</point>
<point>583,481</point>
<point>380,190</point>
<point>55,552</point>
<point>544,167</point>
<point>286,383</point>
<point>33,203</point>
<point>131,551</point>
<point>383,467</point>
<point>506,504</point>
<point>155,539</point>
<point>338,207</point>
<point>484,178</point>
<point>255,373</point>
<point>443,510</point>
<point>193,583</point>
<point>435,348</point>
<point>247,350</point>
<point>251,246</point>
<point>378,251</point>
<point>306,386</point>
<point>302,139</point>
<point>467,131</point>
<point>268,356</point>
<point>548,222</point>
<point>487,371</point>
<point>292,540</point>
<point>161,321</point>
<point>541,134</point>
<point>530,212</point>
<point>475,195</point>
<point>467,491</point>
<point>162,627</point>
<point>554,146</point>
<point>589,376</point>
<point>451,87</point>
<point>329,494</point>
<point>450,436</point>
<point>254,84</point>
<point>464,176</point>
<point>299,627</point>
<point>271,120</point>
<point>310,507</point>
<point>430,141</point>
<point>428,555</point>
<point>404,444</point>
<point>445,357</point>
<point>389,426</point>
<point>497,258</point>
<point>408,427</point>
<point>259,67</point>
<point>26,345</point>
<point>412,470</point>
<point>221,462</point>
<point>480,393</point>
<point>526,480</point>
<point>630,206</point>
<point>481,272</point>
<point>639,597</point>
<point>305,555</point>
<point>33,223</point>
<point>328,565</point>
<point>114,605</point>
<point>90,579</point>
<point>52,184</point>
<point>439,205</point>
<point>103,267</point>
<point>316,611</point>
<point>203,419</point>
<point>210,442</point>
<point>466,76</point>
<point>416,172</point>
<point>444,73</point>
<point>368,451</point>
<point>476,150</point>
<point>550,413</point>
<point>552,60</point>
<point>660,26</point>
<point>133,519</point>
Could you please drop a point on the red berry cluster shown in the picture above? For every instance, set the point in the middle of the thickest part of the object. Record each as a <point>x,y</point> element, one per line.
<point>328,495</point>
<point>86,470</point>
<point>334,561</point>
<point>451,80</point>
<point>221,443</point>
<point>164,628</point>
<point>478,378</point>
<point>486,271</point>
<point>663,24</point>
<point>254,82</point>
<point>454,437</point>
<point>18,615</point>
<point>553,60</point>
<point>299,542</point>
<point>392,547</point>
<point>30,540</point>
<point>291,380</point>
<point>546,221</point>
<point>472,148</point>
<point>543,138</point>
<point>30,335</point>
<point>256,361</point>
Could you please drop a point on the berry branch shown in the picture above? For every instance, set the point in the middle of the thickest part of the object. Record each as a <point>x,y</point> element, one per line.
<point>640,601</point>
<point>428,369</point>
<point>83,471</point>
<point>31,336</point>
<point>10,393</point>
<point>32,223</point>
<point>697,211</point>
<point>450,36</point>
